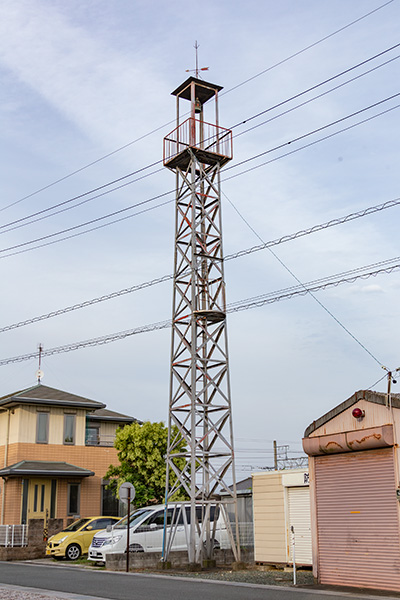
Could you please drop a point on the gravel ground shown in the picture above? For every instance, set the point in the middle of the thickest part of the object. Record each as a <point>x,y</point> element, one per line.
<point>272,577</point>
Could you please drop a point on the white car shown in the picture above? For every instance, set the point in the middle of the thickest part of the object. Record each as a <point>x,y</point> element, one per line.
<point>147,530</point>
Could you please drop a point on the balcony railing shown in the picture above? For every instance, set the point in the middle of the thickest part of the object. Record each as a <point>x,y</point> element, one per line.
<point>211,142</point>
<point>100,440</point>
<point>13,535</point>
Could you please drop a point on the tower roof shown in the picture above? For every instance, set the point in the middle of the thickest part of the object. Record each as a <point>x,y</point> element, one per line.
<point>203,89</point>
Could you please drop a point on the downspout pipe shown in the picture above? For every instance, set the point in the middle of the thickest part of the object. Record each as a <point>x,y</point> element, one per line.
<point>3,496</point>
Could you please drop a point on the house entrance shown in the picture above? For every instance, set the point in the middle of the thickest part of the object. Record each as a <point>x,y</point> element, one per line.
<point>39,498</point>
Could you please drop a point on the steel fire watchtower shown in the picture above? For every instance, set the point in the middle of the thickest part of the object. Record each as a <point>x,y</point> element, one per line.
<point>200,404</point>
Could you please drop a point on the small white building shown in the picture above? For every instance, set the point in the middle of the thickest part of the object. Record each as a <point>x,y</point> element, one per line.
<point>281,500</point>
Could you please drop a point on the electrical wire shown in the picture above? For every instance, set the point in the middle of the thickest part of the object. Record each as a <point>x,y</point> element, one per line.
<point>323,139</point>
<point>173,121</point>
<point>337,87</point>
<point>281,62</point>
<point>307,290</point>
<point>238,307</point>
<point>286,238</point>
<point>280,146</point>
<point>22,222</point>
<point>318,130</point>
<point>314,87</point>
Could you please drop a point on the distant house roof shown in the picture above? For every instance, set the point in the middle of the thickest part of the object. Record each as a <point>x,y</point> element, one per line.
<point>243,487</point>
<point>369,396</point>
<point>44,468</point>
<point>103,414</point>
<point>41,394</point>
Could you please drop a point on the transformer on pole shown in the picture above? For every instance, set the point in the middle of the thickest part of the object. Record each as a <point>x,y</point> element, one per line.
<point>200,405</point>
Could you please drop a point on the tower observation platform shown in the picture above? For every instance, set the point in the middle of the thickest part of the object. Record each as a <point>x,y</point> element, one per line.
<point>208,142</point>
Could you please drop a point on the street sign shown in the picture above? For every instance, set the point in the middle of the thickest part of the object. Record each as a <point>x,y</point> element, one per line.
<point>127,492</point>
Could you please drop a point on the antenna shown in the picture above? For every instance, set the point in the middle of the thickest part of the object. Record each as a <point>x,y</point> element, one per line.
<point>39,372</point>
<point>196,70</point>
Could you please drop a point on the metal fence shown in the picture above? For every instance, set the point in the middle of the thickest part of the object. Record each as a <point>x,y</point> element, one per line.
<point>13,535</point>
<point>246,534</point>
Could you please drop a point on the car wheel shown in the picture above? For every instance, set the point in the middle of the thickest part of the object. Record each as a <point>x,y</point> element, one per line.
<point>135,548</point>
<point>73,552</point>
<point>215,544</point>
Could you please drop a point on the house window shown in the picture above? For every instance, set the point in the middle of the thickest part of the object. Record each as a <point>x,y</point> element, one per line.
<point>42,428</point>
<point>92,435</point>
<point>110,504</point>
<point>69,429</point>
<point>74,493</point>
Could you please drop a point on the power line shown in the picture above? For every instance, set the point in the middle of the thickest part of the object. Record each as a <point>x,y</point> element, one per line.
<point>8,225</point>
<point>96,220</point>
<point>281,62</point>
<point>240,253</point>
<point>318,130</point>
<point>238,307</point>
<point>337,87</point>
<point>314,87</point>
<point>21,222</point>
<point>286,238</point>
<point>46,187</point>
<point>323,139</point>
<point>170,122</point>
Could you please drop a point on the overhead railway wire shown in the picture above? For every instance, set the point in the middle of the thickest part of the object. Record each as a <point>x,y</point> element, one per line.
<point>128,144</point>
<point>280,146</point>
<point>235,307</point>
<point>21,222</point>
<point>285,238</point>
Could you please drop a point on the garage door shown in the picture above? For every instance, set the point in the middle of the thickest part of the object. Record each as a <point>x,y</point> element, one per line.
<point>299,518</point>
<point>357,520</point>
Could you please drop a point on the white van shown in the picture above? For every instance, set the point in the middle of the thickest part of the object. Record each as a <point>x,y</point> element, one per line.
<point>147,530</point>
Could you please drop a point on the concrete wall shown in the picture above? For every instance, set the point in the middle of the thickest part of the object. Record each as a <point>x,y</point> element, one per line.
<point>141,560</point>
<point>36,547</point>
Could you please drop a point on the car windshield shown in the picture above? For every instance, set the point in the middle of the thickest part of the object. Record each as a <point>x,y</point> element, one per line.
<point>137,516</point>
<point>77,525</point>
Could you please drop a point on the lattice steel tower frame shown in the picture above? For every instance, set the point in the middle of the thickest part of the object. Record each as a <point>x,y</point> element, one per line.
<point>200,403</point>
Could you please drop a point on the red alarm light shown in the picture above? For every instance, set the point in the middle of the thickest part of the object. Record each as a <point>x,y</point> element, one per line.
<point>358,413</point>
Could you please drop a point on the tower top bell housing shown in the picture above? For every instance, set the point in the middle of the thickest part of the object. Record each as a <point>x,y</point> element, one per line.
<point>208,141</point>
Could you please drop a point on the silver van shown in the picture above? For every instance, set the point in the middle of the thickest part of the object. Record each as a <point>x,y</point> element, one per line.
<point>146,532</point>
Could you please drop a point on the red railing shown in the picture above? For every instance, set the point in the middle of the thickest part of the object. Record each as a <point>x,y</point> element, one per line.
<point>193,133</point>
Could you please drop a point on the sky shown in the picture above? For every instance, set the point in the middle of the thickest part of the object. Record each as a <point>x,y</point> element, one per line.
<point>84,81</point>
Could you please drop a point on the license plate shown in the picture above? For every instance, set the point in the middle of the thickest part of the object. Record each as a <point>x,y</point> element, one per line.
<point>48,552</point>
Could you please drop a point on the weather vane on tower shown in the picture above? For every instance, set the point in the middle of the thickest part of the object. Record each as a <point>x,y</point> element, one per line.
<point>196,70</point>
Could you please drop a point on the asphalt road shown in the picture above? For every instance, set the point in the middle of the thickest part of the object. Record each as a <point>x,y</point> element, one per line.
<point>134,586</point>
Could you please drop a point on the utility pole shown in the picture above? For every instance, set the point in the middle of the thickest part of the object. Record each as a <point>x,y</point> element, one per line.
<point>200,399</point>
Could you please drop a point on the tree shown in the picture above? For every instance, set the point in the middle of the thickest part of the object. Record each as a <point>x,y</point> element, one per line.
<point>141,453</point>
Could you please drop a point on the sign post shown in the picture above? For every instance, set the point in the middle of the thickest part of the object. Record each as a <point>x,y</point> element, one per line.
<point>127,495</point>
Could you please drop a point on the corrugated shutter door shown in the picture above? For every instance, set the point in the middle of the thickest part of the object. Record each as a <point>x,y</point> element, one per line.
<point>357,520</point>
<point>299,517</point>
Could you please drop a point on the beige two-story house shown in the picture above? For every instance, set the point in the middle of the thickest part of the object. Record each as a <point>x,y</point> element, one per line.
<point>55,448</point>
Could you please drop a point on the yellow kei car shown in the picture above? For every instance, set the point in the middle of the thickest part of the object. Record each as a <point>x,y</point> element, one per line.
<point>74,540</point>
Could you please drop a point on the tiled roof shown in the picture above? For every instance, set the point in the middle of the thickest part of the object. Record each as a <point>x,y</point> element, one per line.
<point>103,414</point>
<point>41,394</point>
<point>44,468</point>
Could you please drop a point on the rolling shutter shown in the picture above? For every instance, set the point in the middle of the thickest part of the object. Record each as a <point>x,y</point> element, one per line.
<point>358,520</point>
<point>299,518</point>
